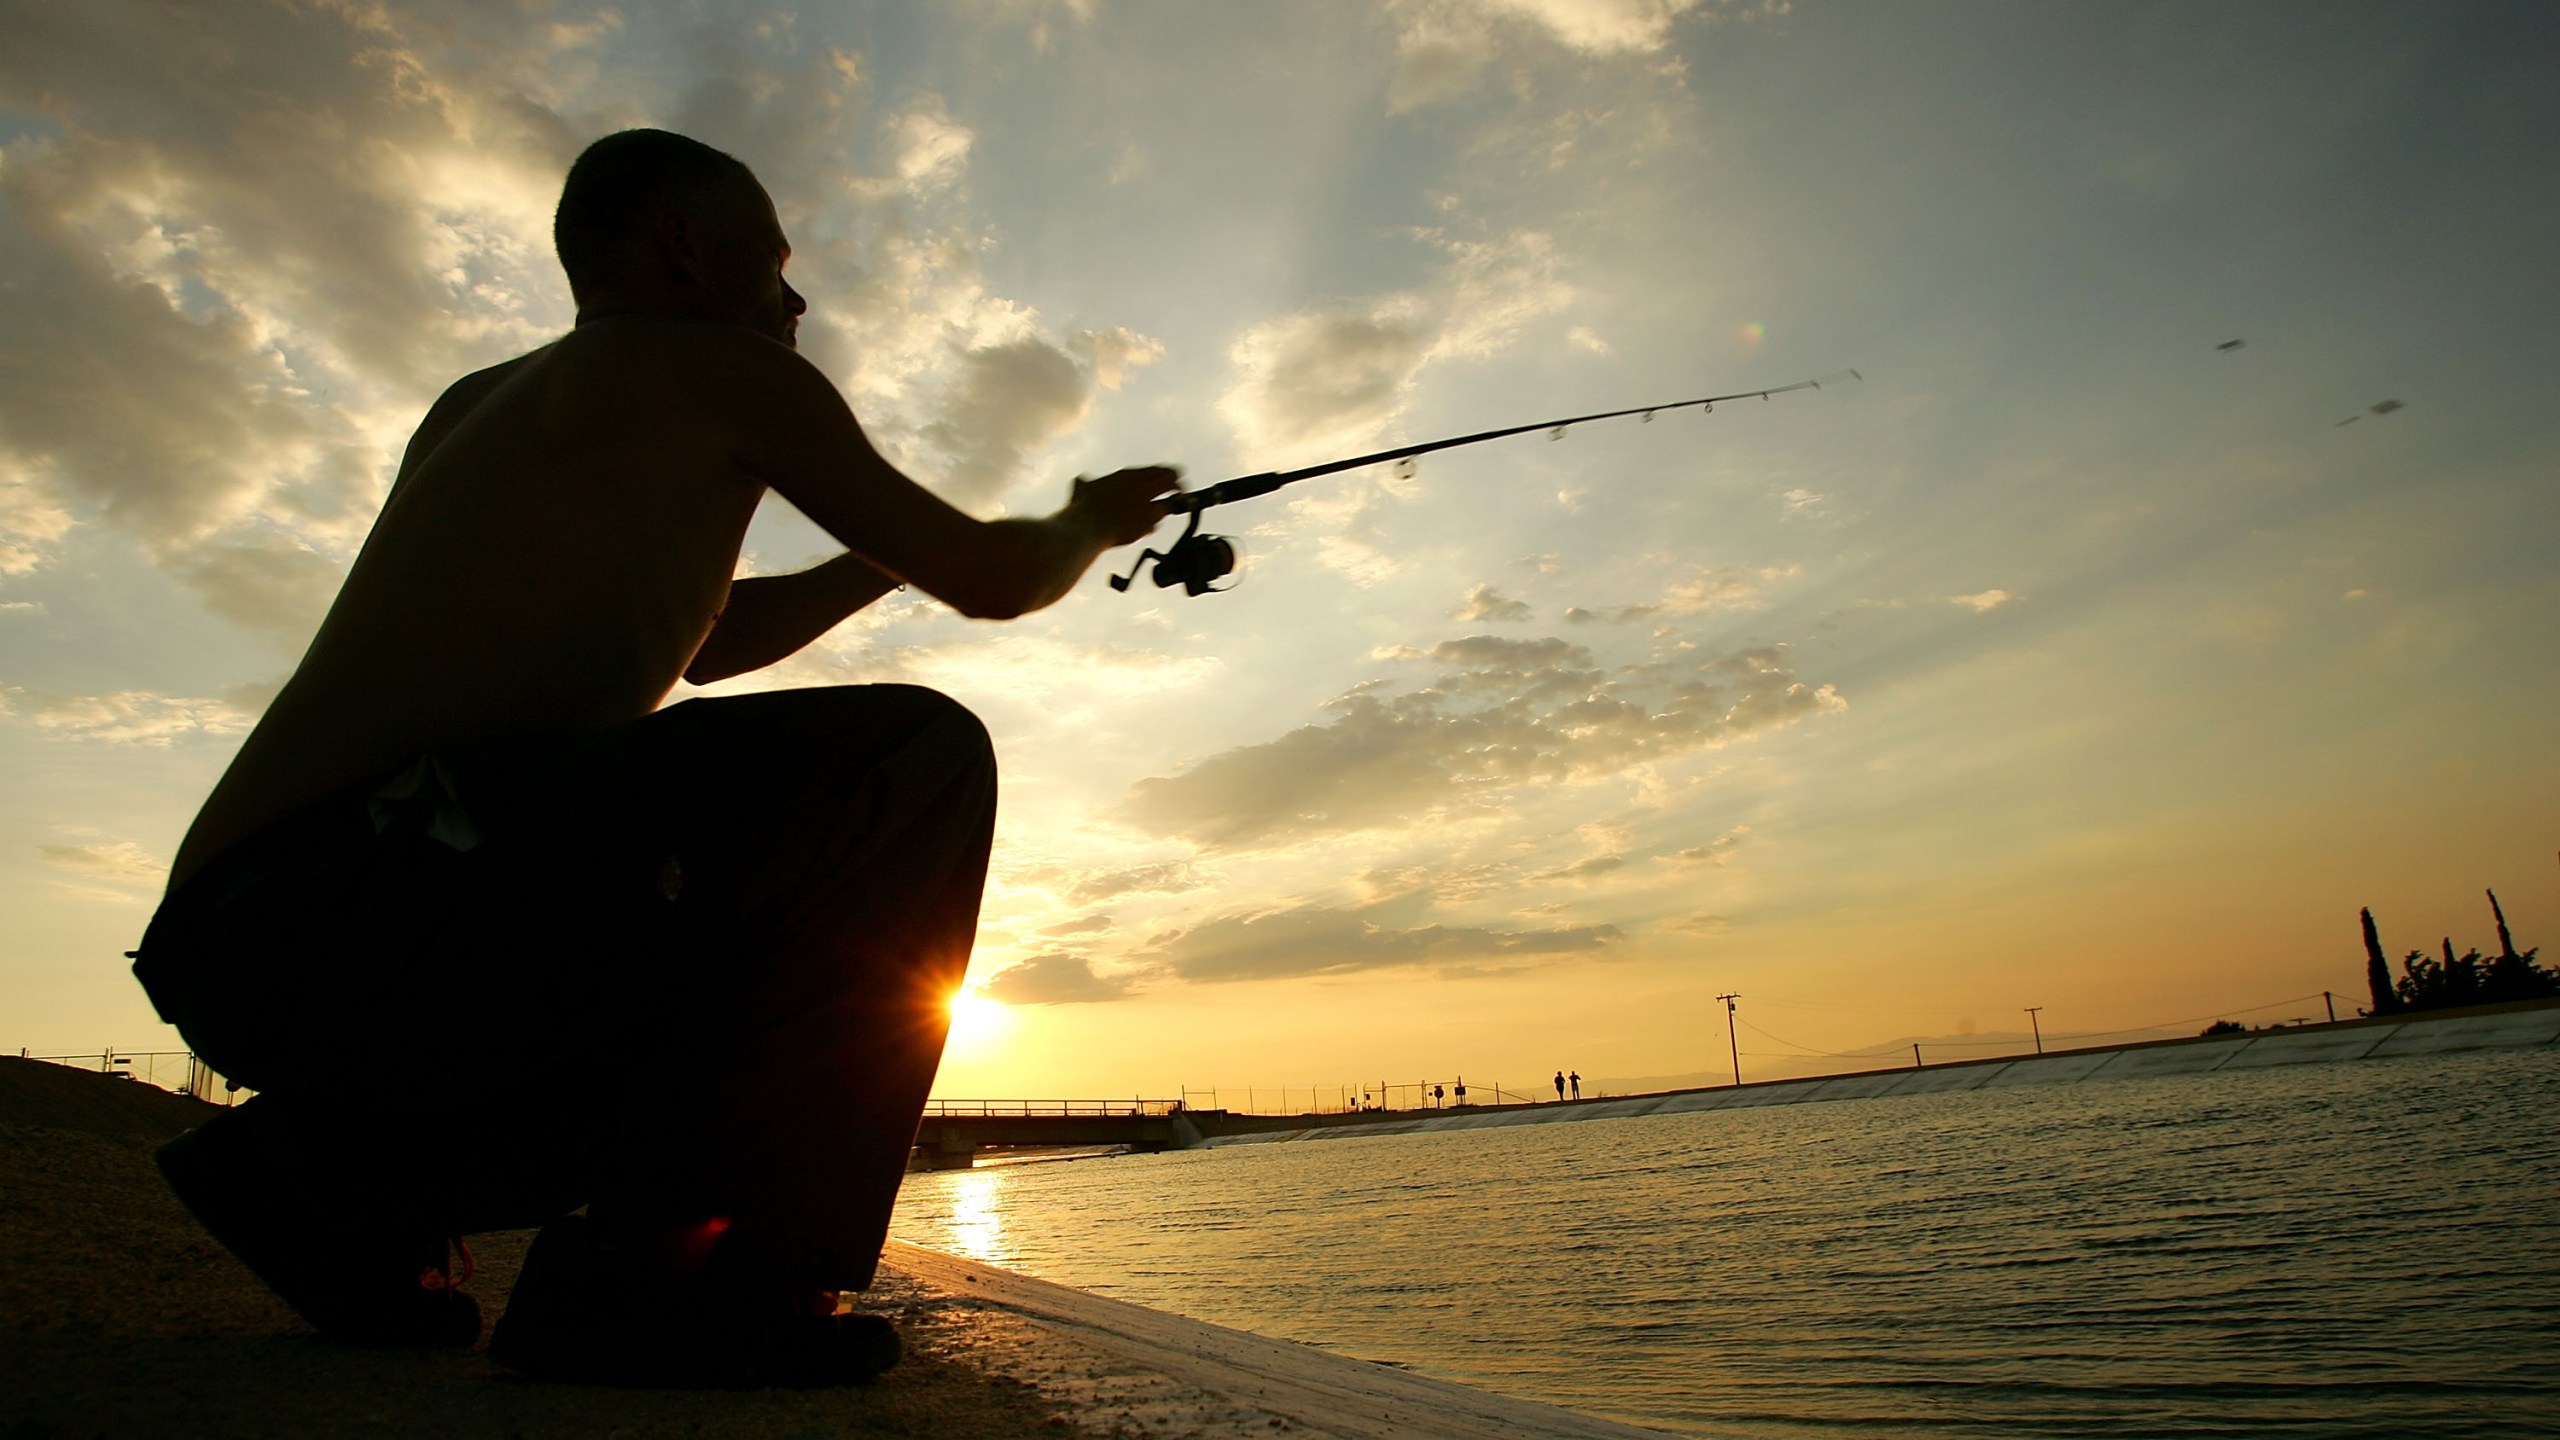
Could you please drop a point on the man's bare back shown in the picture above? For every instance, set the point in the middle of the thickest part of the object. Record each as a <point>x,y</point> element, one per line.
<point>560,544</point>
<point>559,541</point>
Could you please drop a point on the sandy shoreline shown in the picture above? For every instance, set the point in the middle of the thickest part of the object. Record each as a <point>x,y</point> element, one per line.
<point>119,1317</point>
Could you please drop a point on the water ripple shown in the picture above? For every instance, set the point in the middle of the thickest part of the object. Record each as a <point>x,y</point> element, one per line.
<point>2320,1250</point>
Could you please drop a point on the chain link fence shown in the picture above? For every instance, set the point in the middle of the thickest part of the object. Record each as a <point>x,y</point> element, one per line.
<point>178,1071</point>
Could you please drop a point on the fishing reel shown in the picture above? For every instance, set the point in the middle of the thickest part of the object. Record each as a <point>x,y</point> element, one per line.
<point>1195,562</point>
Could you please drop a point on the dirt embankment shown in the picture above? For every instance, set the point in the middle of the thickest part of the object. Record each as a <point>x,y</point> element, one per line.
<point>119,1317</point>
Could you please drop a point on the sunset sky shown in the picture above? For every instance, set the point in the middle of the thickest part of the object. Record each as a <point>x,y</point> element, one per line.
<point>2070,660</point>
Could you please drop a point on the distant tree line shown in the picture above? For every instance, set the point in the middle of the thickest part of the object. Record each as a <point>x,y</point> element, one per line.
<point>2427,983</point>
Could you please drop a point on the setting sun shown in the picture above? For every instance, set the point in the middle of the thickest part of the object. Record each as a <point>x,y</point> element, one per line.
<point>978,1025</point>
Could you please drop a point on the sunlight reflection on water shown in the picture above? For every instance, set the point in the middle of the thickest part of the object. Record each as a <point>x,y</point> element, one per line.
<point>976,1225</point>
<point>2332,1250</point>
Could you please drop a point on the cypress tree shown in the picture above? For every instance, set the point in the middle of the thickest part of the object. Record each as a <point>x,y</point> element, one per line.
<point>2377,972</point>
<point>2506,942</point>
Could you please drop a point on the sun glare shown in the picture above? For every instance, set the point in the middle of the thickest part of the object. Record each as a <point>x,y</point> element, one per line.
<point>978,1024</point>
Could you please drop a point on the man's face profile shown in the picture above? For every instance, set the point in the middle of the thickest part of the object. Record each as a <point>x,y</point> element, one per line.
<point>742,253</point>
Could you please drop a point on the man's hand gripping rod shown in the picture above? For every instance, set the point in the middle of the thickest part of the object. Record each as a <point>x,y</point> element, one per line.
<point>1196,562</point>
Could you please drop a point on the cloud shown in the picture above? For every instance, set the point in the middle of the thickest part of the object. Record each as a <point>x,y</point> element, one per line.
<point>130,717</point>
<point>1007,401</point>
<point>119,862</point>
<point>1724,587</point>
<point>1487,603</point>
<point>1601,27</point>
<point>1704,589</point>
<point>1317,940</point>
<point>261,581</point>
<point>1984,603</point>
<point>1115,352</point>
<point>1085,925</point>
<point>1615,615</point>
<point>117,401</point>
<point>1445,47</point>
<point>247,235</point>
<point>932,149</point>
<point>1314,383</point>
<point>241,246</point>
<point>30,519</point>
<point>1442,883</point>
<point>1502,714</point>
<point>1053,980</point>
<point>1046,18</point>
<point>1701,923</point>
<point>1715,852</point>
<point>1586,869</point>
<point>1441,53</point>
<point>1168,878</point>
<point>1327,380</point>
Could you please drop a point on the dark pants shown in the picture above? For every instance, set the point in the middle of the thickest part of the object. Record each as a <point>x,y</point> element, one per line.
<point>690,968</point>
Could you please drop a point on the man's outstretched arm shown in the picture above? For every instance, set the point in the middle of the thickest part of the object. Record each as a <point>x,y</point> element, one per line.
<point>769,617</point>
<point>791,430</point>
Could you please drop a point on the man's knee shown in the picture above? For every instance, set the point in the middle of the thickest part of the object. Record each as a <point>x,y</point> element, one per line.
<point>942,715</point>
<point>843,721</point>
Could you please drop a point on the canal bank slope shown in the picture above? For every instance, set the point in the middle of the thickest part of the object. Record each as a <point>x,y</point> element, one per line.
<point>119,1316</point>
<point>2524,1024</point>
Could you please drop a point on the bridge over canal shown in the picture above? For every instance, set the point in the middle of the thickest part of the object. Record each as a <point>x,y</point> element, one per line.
<point>952,1132</point>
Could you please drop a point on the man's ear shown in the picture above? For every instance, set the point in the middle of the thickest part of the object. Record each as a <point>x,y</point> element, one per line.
<point>674,239</point>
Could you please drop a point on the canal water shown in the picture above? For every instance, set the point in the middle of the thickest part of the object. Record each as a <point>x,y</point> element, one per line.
<point>2361,1249</point>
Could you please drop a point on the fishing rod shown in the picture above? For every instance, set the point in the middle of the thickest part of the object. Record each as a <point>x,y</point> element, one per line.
<point>1196,562</point>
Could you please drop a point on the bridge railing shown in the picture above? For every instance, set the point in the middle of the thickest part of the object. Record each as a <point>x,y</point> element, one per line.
<point>1056,1109</point>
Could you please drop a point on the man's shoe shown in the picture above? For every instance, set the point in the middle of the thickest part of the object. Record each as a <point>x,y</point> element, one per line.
<point>581,1315</point>
<point>352,1276</point>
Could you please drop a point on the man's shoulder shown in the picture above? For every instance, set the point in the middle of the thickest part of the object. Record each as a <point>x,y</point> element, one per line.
<point>471,389</point>
<point>689,372</point>
<point>681,344</point>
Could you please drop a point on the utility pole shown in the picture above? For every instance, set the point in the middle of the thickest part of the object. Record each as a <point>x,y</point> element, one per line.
<point>2332,1002</point>
<point>1730,1042</point>
<point>2038,1028</point>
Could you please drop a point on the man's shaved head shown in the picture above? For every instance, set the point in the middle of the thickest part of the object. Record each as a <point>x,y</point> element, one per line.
<point>619,184</point>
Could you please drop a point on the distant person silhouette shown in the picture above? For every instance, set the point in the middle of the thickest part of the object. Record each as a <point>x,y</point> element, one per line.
<point>1559,1085</point>
<point>1576,1078</point>
<point>466,838</point>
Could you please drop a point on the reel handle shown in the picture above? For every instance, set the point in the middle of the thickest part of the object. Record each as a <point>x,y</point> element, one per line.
<point>1196,562</point>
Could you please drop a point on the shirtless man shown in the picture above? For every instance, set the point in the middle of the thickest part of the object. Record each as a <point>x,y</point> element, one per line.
<point>685,968</point>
